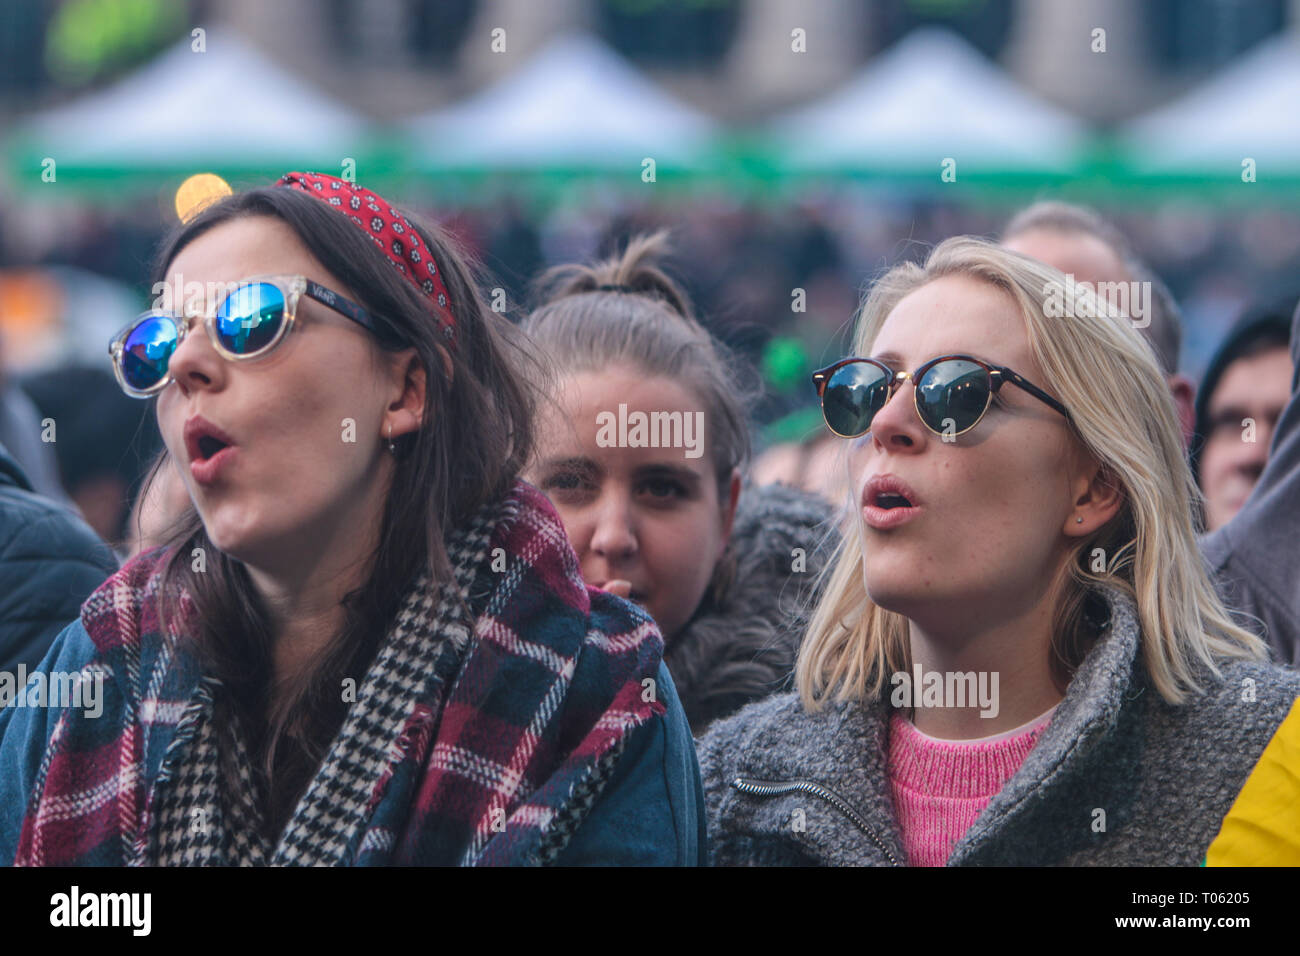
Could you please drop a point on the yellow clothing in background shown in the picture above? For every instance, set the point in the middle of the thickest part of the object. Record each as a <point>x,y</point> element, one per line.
<point>1263,826</point>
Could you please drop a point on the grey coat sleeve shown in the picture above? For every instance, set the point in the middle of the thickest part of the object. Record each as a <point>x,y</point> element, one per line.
<point>1255,558</point>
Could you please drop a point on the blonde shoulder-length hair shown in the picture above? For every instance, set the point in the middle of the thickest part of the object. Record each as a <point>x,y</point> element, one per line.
<point>1101,369</point>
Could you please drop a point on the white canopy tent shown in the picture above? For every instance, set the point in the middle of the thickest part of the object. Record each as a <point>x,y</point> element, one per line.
<point>575,104</point>
<point>225,107</point>
<point>1249,110</point>
<point>928,98</point>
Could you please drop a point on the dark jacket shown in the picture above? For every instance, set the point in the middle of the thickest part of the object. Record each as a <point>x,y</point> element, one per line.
<point>743,647</point>
<point>50,561</point>
<point>1254,557</point>
<point>786,787</point>
<point>20,436</point>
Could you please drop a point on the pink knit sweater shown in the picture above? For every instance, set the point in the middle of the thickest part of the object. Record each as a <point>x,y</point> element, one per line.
<point>941,786</point>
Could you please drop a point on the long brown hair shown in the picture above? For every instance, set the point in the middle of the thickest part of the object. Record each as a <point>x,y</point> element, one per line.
<point>478,439</point>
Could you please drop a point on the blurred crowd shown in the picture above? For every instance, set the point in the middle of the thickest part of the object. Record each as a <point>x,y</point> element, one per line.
<point>777,279</point>
<point>724,559</point>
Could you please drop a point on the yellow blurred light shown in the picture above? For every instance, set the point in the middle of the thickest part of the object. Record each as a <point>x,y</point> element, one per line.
<point>198,192</point>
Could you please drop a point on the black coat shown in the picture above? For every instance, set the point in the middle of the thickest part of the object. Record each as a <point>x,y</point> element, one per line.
<point>742,648</point>
<point>50,562</point>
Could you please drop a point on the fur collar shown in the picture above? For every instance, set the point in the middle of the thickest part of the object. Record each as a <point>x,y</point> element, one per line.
<point>742,648</point>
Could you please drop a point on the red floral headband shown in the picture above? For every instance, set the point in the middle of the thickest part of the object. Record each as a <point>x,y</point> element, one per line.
<point>390,230</point>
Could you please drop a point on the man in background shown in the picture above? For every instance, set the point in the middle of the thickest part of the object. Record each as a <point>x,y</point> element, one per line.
<point>1081,244</point>
<point>1254,557</point>
<point>1241,398</point>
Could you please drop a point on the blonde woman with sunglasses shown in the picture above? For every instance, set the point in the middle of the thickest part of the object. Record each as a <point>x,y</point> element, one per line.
<point>1018,658</point>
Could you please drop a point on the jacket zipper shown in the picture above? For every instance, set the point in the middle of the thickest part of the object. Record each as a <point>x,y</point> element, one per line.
<point>761,788</point>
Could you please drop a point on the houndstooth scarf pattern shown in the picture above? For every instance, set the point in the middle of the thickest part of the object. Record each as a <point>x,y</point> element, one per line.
<point>198,824</point>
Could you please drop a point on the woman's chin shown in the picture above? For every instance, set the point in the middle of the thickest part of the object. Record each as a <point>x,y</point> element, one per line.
<point>895,592</point>
<point>235,541</point>
<point>892,601</point>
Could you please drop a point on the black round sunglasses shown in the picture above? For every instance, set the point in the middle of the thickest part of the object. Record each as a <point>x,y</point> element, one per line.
<point>953,392</point>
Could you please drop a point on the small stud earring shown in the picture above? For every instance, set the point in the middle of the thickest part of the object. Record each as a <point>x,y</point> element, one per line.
<point>1078,521</point>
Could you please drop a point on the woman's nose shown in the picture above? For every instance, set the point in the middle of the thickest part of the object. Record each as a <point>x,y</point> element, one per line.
<point>195,364</point>
<point>614,536</point>
<point>897,426</point>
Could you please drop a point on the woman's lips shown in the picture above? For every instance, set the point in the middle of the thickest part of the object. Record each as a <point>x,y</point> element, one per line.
<point>882,519</point>
<point>888,501</point>
<point>207,471</point>
<point>210,449</point>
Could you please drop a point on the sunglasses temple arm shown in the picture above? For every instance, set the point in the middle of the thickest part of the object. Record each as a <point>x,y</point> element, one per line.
<point>349,309</point>
<point>1035,391</point>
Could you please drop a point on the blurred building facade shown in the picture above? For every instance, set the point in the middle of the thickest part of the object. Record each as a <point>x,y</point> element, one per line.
<point>736,59</point>
<point>739,59</point>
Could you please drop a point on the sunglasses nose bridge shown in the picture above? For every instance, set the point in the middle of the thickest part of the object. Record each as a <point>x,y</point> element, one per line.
<point>185,326</point>
<point>194,331</point>
<point>895,383</point>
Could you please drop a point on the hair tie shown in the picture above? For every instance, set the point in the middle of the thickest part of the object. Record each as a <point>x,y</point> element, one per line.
<point>390,230</point>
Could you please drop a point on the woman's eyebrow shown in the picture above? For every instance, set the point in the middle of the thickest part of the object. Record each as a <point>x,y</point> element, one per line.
<point>889,358</point>
<point>896,361</point>
<point>680,472</point>
<point>1230,413</point>
<point>576,463</point>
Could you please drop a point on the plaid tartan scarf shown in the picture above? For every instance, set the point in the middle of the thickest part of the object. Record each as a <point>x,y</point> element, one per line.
<point>474,739</point>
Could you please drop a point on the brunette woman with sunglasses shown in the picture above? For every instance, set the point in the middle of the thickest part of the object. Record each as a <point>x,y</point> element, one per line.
<point>1018,658</point>
<point>368,642</point>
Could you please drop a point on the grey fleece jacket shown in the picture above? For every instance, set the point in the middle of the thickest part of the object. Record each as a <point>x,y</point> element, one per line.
<point>785,787</point>
<point>1255,557</point>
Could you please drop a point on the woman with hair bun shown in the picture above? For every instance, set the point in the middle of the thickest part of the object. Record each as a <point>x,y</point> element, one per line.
<point>367,642</point>
<point>643,449</point>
